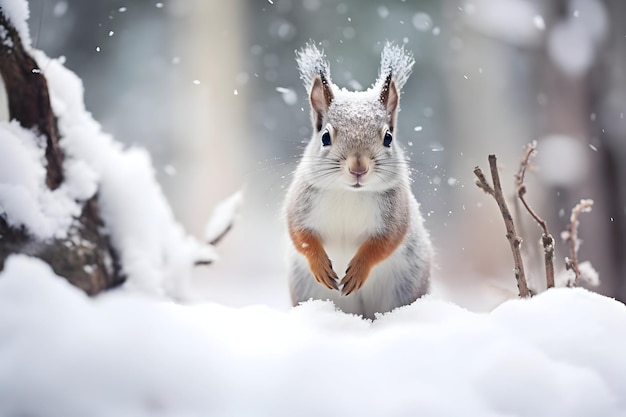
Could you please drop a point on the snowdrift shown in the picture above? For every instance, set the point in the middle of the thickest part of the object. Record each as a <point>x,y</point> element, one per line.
<point>64,354</point>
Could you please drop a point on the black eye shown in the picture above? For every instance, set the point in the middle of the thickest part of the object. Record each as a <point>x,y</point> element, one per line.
<point>387,139</point>
<point>326,138</point>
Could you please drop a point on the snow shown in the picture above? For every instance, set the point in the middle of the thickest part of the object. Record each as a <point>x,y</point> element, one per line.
<point>120,354</point>
<point>158,259</point>
<point>289,95</point>
<point>25,200</point>
<point>589,274</point>
<point>394,59</point>
<point>223,217</point>
<point>156,254</point>
<point>422,21</point>
<point>17,13</point>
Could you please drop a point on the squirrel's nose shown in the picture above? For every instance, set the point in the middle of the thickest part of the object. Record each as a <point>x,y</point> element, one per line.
<point>358,171</point>
<point>358,165</point>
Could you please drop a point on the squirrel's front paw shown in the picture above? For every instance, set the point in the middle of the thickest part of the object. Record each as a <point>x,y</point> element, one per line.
<point>356,274</point>
<point>323,272</point>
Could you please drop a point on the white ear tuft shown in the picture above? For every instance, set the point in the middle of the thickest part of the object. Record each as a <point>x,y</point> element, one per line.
<point>312,64</point>
<point>315,72</point>
<point>396,64</point>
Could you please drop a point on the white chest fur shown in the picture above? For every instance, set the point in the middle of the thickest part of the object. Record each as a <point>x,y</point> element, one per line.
<point>344,219</point>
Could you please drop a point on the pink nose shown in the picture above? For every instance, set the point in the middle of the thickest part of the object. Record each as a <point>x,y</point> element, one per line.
<point>358,171</point>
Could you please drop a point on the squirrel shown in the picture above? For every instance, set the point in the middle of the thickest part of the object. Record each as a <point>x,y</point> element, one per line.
<point>349,206</point>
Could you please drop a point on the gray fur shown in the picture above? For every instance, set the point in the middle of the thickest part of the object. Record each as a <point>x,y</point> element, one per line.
<point>323,199</point>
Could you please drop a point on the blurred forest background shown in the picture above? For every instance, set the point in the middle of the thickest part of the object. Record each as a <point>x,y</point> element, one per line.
<point>211,89</point>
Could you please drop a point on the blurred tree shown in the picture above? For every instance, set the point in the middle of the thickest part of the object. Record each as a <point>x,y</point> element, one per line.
<point>610,107</point>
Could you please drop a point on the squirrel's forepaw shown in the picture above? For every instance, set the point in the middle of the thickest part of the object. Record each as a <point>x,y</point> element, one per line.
<point>323,273</point>
<point>356,274</point>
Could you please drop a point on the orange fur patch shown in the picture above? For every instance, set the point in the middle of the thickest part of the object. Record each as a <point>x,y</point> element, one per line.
<point>371,252</point>
<point>309,244</point>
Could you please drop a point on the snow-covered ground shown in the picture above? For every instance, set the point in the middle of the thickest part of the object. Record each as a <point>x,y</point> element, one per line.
<point>63,354</point>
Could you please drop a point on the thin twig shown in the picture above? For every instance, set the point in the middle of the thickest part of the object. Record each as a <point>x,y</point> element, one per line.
<point>514,240</point>
<point>570,235</point>
<point>219,238</point>
<point>547,240</point>
<point>481,181</point>
<point>214,242</point>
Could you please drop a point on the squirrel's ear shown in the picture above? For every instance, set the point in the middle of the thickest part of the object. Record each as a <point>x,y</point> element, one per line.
<point>389,97</point>
<point>315,72</point>
<point>396,65</point>
<point>321,96</point>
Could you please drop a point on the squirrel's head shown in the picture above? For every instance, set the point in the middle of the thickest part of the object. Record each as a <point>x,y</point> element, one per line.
<point>353,131</point>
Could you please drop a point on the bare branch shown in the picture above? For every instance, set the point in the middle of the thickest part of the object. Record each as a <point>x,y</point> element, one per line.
<point>514,240</point>
<point>570,236</point>
<point>481,181</point>
<point>521,186</point>
<point>547,240</point>
<point>221,222</point>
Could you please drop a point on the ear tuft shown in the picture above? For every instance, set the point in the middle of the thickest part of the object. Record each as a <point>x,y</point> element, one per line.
<point>395,63</point>
<point>315,73</point>
<point>312,64</point>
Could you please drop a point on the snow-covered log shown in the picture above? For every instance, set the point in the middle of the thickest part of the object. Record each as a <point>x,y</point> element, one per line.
<point>73,196</point>
<point>83,254</point>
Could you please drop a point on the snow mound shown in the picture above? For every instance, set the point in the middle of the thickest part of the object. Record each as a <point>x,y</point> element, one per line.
<point>560,353</point>
<point>25,200</point>
<point>156,255</point>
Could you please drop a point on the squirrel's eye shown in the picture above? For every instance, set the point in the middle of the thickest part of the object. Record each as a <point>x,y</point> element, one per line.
<point>326,138</point>
<point>387,139</point>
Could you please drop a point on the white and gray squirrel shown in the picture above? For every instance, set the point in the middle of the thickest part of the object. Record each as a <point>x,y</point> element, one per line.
<point>350,206</point>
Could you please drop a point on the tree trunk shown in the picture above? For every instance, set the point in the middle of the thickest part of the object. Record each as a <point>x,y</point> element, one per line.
<point>85,257</point>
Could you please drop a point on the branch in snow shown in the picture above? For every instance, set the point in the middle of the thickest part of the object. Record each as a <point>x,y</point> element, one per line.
<point>223,218</point>
<point>547,240</point>
<point>221,222</point>
<point>514,240</point>
<point>570,236</point>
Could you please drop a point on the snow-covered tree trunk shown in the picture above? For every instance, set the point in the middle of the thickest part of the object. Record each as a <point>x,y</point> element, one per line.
<point>84,255</point>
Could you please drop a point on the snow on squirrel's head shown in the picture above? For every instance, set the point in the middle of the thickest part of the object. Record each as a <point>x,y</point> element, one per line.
<point>355,128</point>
